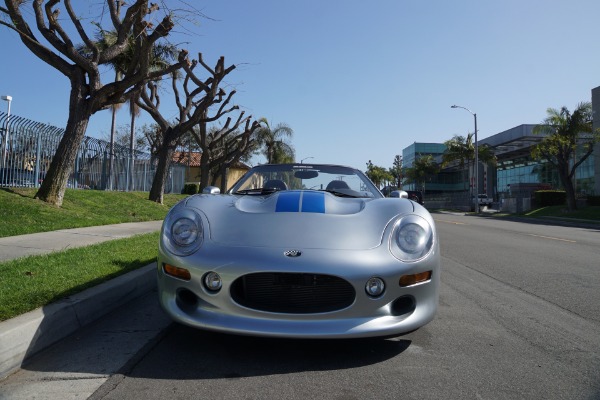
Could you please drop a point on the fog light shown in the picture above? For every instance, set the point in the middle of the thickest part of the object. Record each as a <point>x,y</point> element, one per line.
<point>375,287</point>
<point>408,280</point>
<point>212,281</point>
<point>177,272</point>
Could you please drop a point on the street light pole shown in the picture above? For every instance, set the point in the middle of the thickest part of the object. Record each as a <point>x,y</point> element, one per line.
<point>476,158</point>
<point>6,131</point>
<point>305,158</point>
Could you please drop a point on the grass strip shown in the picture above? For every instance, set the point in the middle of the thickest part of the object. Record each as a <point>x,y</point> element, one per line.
<point>20,213</point>
<point>586,213</point>
<point>35,281</point>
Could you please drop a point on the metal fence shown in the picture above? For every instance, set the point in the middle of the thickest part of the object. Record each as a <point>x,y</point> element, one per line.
<point>27,149</point>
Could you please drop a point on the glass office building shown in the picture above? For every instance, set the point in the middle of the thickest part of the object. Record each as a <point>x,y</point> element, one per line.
<point>515,165</point>
<point>417,150</point>
<point>514,168</point>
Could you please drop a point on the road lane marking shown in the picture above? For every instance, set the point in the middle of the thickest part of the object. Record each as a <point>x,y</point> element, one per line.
<point>552,238</point>
<point>450,222</point>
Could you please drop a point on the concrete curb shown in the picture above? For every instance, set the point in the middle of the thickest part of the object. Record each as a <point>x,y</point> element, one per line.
<point>24,336</point>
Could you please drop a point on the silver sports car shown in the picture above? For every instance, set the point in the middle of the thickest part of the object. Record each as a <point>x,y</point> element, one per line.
<point>300,251</point>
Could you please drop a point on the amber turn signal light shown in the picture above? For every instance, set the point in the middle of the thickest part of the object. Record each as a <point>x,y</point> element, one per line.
<point>408,280</point>
<point>177,272</point>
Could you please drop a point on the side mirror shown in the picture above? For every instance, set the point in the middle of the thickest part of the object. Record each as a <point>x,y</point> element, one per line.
<point>211,190</point>
<point>399,194</point>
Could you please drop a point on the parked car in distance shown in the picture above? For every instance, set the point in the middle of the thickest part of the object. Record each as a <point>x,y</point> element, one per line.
<point>484,200</point>
<point>417,196</point>
<point>299,251</point>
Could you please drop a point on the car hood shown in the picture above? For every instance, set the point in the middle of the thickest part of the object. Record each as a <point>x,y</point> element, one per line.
<point>298,219</point>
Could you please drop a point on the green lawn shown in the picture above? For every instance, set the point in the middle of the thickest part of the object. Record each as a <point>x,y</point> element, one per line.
<point>35,281</point>
<point>31,282</point>
<point>20,213</point>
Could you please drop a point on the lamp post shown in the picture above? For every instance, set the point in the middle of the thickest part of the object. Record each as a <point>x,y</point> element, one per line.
<point>6,132</point>
<point>476,158</point>
<point>305,158</point>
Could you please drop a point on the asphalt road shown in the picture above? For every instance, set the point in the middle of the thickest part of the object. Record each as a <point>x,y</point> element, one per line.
<point>519,318</point>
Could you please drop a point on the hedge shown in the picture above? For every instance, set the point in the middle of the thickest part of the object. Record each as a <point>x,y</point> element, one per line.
<point>190,188</point>
<point>593,200</point>
<point>544,198</point>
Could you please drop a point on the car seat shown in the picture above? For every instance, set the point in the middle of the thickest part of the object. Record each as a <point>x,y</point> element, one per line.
<point>275,184</point>
<point>333,185</point>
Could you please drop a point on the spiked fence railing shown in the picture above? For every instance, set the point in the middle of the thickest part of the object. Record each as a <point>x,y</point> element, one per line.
<point>27,148</point>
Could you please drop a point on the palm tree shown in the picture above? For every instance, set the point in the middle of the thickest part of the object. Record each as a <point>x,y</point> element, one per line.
<point>459,149</point>
<point>273,144</point>
<point>159,58</point>
<point>378,175</point>
<point>566,133</point>
<point>283,153</point>
<point>422,169</point>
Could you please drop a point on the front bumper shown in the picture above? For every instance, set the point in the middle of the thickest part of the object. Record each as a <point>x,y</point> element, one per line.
<point>190,303</point>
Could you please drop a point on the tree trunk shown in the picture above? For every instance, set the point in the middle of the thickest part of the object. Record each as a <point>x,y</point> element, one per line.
<point>204,170</point>
<point>161,175</point>
<point>224,177</point>
<point>165,157</point>
<point>52,189</point>
<point>571,199</point>
<point>567,182</point>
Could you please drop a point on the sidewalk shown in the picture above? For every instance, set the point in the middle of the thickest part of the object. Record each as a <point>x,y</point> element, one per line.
<point>45,242</point>
<point>28,334</point>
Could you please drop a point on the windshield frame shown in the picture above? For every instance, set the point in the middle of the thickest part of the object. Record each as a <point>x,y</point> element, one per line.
<point>366,185</point>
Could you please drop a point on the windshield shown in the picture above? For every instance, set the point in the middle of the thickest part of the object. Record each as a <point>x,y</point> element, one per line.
<point>341,181</point>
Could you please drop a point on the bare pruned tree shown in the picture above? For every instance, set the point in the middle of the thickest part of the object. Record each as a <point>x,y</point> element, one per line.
<point>88,94</point>
<point>223,147</point>
<point>194,104</point>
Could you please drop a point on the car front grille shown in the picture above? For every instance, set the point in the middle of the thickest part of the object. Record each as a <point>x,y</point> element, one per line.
<point>292,293</point>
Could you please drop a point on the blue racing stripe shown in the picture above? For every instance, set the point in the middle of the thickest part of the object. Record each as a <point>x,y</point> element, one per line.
<point>313,202</point>
<point>288,202</point>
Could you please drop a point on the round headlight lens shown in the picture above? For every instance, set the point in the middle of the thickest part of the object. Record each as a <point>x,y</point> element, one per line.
<point>413,238</point>
<point>375,287</point>
<point>182,232</point>
<point>185,232</point>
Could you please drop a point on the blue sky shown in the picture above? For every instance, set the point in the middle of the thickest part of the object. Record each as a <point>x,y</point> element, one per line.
<point>360,81</point>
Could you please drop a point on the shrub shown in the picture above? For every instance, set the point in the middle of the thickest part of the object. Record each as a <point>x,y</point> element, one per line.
<point>544,198</point>
<point>190,188</point>
<point>593,200</point>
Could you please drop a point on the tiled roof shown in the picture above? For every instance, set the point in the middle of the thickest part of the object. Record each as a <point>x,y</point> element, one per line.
<point>183,157</point>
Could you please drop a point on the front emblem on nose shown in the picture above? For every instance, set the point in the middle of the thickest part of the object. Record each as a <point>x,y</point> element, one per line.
<point>292,253</point>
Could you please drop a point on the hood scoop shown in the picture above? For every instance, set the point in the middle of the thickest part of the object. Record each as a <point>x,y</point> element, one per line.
<point>300,201</point>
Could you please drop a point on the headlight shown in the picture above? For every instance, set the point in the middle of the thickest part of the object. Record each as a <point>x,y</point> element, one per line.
<point>412,238</point>
<point>183,232</point>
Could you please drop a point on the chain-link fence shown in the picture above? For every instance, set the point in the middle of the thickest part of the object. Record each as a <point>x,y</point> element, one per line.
<point>27,148</point>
